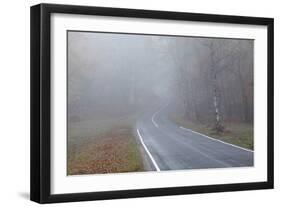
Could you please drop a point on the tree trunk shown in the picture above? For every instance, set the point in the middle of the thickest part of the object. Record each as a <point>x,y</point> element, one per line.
<point>216,101</point>
<point>245,101</point>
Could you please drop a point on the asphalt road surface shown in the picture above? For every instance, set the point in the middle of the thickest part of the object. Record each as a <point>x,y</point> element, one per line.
<point>172,147</point>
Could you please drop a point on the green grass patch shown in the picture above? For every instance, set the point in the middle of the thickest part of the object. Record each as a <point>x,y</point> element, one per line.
<point>240,134</point>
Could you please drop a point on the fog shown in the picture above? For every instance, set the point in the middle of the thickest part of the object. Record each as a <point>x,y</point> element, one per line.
<point>115,75</point>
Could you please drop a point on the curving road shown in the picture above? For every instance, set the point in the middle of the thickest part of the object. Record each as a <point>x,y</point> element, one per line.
<point>172,147</point>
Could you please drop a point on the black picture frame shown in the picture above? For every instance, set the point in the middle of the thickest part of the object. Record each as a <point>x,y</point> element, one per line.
<point>41,102</point>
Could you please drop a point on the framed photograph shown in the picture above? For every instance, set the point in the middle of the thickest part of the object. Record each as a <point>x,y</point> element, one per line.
<point>133,103</point>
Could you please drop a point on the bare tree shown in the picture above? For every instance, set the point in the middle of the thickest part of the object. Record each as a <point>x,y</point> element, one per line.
<point>220,54</point>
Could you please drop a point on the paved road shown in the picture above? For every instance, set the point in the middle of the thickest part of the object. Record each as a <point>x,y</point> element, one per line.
<point>172,147</point>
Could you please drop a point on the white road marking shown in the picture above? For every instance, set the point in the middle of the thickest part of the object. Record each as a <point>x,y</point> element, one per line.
<point>147,151</point>
<point>185,129</point>
<point>216,139</point>
<point>153,116</point>
<point>154,120</point>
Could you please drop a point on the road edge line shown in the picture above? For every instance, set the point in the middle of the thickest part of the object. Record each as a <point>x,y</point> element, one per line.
<point>153,116</point>
<point>147,151</point>
<point>154,120</point>
<point>217,140</point>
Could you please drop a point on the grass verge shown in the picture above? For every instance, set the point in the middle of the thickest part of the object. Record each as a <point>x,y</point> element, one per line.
<point>113,151</point>
<point>240,134</point>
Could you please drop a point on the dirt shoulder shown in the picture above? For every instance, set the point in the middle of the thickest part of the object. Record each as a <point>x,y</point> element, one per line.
<point>93,149</point>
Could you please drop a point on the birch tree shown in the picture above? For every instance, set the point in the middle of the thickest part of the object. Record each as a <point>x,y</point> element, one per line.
<point>220,53</point>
